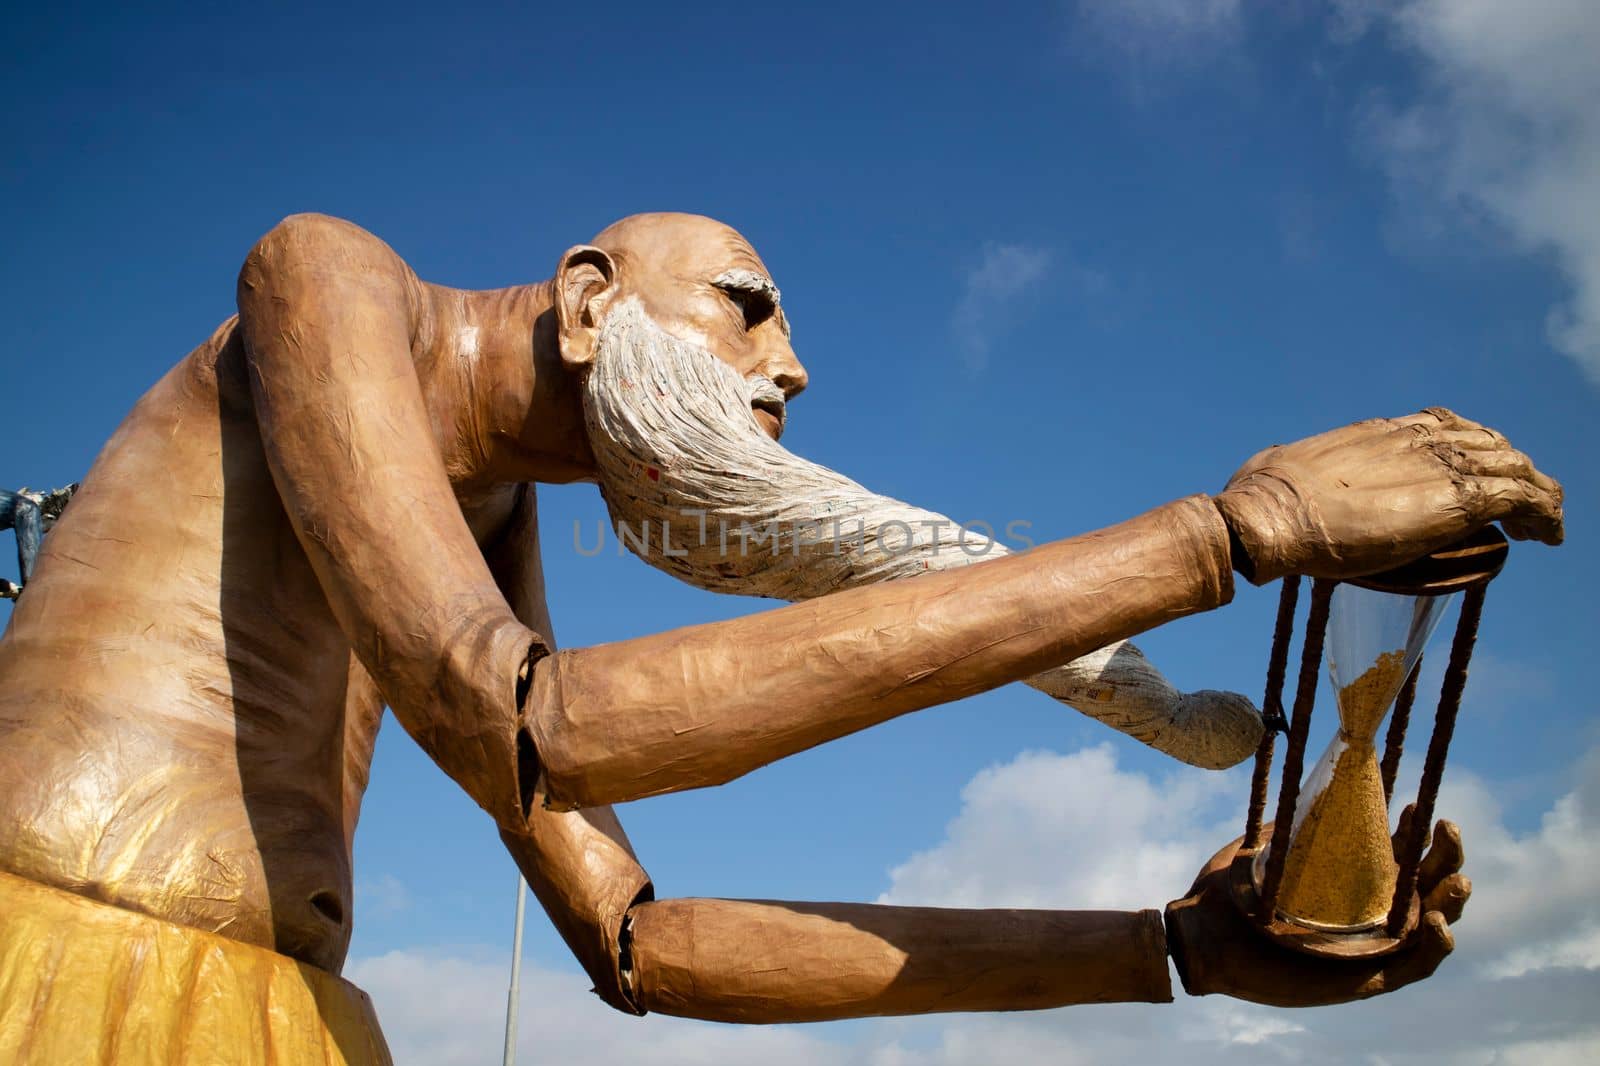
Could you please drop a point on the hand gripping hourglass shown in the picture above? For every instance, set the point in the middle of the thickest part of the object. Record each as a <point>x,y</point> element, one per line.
<point>1330,881</point>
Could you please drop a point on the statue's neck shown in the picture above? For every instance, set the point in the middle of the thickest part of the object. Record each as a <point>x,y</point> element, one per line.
<point>510,410</point>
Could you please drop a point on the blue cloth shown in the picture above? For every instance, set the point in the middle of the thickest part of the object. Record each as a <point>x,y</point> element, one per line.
<point>22,514</point>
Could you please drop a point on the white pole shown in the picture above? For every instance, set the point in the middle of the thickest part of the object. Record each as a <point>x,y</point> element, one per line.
<point>516,975</point>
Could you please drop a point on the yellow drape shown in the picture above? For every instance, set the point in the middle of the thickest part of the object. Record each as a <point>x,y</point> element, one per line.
<point>86,983</point>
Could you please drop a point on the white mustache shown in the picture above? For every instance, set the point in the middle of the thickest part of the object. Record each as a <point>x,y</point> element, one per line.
<point>765,395</point>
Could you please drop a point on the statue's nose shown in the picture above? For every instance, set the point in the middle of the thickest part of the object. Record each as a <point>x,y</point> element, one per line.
<point>785,371</point>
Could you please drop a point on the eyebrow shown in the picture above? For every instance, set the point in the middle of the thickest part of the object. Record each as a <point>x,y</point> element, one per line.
<point>750,281</point>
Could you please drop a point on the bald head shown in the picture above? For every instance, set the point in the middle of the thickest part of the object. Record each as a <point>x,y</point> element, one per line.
<point>666,250</point>
<point>670,244</point>
<point>699,280</point>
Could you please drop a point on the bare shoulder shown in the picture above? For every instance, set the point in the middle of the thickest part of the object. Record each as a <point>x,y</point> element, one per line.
<point>311,245</point>
<point>324,234</point>
<point>318,264</point>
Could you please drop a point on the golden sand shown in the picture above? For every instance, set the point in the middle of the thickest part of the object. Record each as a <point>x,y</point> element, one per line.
<point>1363,701</point>
<point>1340,870</point>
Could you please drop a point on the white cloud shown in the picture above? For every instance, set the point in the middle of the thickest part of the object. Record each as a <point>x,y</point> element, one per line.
<point>1534,904</point>
<point>1077,830</point>
<point>1049,830</point>
<point>449,1009</point>
<point>1579,949</point>
<point>1584,1052</point>
<point>1500,134</point>
<point>1255,1028</point>
<point>383,896</point>
<point>1504,128</point>
<point>1160,31</point>
<point>991,289</point>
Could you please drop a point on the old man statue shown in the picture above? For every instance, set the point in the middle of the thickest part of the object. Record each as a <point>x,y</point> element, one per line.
<point>193,679</point>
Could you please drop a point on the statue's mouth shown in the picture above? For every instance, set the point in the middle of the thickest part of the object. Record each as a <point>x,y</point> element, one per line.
<point>770,412</point>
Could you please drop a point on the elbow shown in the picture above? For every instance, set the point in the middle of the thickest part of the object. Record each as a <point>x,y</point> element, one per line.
<point>577,749</point>
<point>583,871</point>
<point>548,770</point>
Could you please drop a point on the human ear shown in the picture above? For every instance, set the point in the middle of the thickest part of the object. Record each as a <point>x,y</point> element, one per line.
<point>583,287</point>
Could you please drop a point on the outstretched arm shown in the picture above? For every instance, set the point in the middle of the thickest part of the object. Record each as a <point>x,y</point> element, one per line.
<point>764,961</point>
<point>703,705</point>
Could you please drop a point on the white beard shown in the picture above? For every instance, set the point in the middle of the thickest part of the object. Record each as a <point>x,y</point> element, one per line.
<point>679,449</point>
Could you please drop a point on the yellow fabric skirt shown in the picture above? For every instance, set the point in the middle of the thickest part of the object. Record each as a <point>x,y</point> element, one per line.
<point>82,982</point>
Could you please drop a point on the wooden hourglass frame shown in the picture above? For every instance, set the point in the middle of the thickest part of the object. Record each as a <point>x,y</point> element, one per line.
<point>1466,567</point>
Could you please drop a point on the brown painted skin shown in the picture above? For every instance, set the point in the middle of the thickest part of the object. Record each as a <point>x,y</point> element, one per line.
<point>328,506</point>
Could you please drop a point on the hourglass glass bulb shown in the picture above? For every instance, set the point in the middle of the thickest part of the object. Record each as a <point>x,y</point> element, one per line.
<point>1340,873</point>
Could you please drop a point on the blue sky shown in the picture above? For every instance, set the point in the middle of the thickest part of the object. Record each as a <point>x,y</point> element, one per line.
<point>1055,262</point>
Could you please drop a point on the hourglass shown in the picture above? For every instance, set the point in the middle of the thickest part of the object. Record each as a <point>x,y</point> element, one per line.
<point>1331,881</point>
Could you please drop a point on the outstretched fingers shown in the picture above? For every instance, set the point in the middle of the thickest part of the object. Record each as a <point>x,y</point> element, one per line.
<point>1509,463</point>
<point>1402,832</point>
<point>1432,419</point>
<point>1449,897</point>
<point>1445,889</point>
<point>1474,453</point>
<point>1478,438</point>
<point>1433,941</point>
<point>1493,474</point>
<point>1445,422</point>
<point>1445,856</point>
<point>1526,511</point>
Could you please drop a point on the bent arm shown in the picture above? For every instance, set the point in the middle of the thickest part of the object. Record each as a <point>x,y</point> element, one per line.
<point>579,864</point>
<point>328,314</point>
<point>703,705</point>
<point>740,961</point>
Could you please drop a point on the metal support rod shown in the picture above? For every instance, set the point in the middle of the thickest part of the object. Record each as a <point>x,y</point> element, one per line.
<point>1394,741</point>
<point>1271,708</point>
<point>1444,727</point>
<point>512,995</point>
<point>1294,756</point>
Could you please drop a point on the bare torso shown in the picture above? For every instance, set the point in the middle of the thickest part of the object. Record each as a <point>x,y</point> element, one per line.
<point>184,730</point>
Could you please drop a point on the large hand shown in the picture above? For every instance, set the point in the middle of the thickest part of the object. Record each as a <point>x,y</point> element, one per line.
<point>1217,950</point>
<point>1380,493</point>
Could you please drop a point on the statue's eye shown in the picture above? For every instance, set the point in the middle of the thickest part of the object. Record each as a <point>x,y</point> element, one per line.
<point>755,306</point>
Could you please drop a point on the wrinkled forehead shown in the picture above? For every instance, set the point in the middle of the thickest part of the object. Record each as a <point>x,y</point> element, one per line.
<point>679,248</point>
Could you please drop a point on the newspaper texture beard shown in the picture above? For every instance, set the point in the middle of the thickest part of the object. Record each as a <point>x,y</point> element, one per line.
<point>698,490</point>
